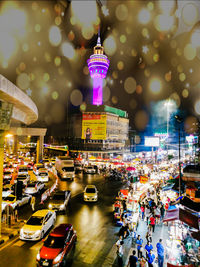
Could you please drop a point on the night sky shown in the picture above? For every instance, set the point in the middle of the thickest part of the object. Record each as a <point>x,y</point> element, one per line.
<point>153,48</point>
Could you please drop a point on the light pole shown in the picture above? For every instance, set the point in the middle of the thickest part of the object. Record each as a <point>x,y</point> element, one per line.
<point>179,120</point>
<point>168,104</point>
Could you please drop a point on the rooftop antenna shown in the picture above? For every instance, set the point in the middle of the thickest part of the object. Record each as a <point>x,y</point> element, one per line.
<point>99,38</point>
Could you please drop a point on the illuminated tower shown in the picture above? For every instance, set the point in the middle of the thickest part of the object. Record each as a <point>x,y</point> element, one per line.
<point>98,64</point>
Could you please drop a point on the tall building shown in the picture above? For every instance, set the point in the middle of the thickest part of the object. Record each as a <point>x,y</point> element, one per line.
<point>98,64</point>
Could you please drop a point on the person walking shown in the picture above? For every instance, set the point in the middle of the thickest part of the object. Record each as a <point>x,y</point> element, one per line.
<point>120,253</point>
<point>33,203</point>
<point>142,211</point>
<point>133,260</point>
<point>160,252</point>
<point>147,213</point>
<point>152,223</point>
<point>139,243</point>
<point>162,212</point>
<point>119,241</point>
<point>151,258</point>
<point>148,247</point>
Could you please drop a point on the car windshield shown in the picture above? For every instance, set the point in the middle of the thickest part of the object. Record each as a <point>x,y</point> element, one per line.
<point>68,169</point>
<point>35,220</point>
<point>22,177</point>
<point>43,174</point>
<point>31,185</point>
<point>90,190</point>
<point>23,169</point>
<point>9,198</point>
<point>58,197</point>
<point>54,242</point>
<point>90,167</point>
<point>7,173</point>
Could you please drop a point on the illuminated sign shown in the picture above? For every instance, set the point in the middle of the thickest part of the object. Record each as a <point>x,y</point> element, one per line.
<point>94,127</point>
<point>152,141</point>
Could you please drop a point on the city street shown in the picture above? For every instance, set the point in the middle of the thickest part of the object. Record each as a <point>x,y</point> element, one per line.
<point>92,221</point>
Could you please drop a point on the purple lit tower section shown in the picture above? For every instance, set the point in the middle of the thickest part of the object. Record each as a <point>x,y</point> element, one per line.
<point>98,64</point>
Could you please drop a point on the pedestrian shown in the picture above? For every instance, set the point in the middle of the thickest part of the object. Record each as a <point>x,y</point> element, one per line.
<point>160,252</point>
<point>148,236</point>
<point>148,247</point>
<point>133,236</point>
<point>118,241</point>
<point>133,260</point>
<point>143,262</point>
<point>162,212</point>
<point>147,213</point>
<point>152,223</point>
<point>151,258</point>
<point>33,203</point>
<point>139,243</point>
<point>142,211</point>
<point>120,253</point>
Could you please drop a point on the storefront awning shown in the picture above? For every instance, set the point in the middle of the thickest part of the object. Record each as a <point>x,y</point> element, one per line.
<point>182,215</point>
<point>187,202</point>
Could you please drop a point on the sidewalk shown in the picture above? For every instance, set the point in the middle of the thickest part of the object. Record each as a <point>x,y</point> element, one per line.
<point>161,231</point>
<point>10,232</point>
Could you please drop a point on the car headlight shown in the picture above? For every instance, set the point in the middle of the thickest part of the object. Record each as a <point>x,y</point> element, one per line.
<point>62,206</point>
<point>85,196</point>
<point>50,206</point>
<point>38,232</point>
<point>38,256</point>
<point>95,197</point>
<point>21,232</point>
<point>57,259</point>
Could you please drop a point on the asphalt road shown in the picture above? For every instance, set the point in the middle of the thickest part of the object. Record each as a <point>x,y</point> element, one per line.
<point>93,222</point>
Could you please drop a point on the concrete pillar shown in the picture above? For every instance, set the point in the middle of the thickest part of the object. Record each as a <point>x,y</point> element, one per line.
<point>39,152</point>
<point>15,144</point>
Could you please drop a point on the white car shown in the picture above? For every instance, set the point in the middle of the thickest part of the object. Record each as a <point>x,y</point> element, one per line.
<point>43,176</point>
<point>13,202</point>
<point>37,225</point>
<point>90,193</point>
<point>89,170</point>
<point>34,188</point>
<point>7,174</point>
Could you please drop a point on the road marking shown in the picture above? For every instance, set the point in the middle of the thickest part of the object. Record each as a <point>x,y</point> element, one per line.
<point>93,252</point>
<point>110,257</point>
<point>9,243</point>
<point>19,243</point>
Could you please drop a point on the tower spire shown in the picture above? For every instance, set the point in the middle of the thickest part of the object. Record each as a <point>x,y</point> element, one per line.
<point>99,38</point>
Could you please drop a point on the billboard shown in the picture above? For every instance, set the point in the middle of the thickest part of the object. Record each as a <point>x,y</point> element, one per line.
<point>94,127</point>
<point>152,141</point>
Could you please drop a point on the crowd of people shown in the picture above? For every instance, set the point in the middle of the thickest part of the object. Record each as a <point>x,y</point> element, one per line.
<point>152,211</point>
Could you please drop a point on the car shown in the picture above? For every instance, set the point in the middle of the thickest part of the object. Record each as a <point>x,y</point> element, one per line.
<point>34,187</point>
<point>57,246</point>
<point>36,168</point>
<point>22,169</point>
<point>7,174</point>
<point>11,200</point>
<point>89,170</point>
<point>37,225</point>
<point>24,178</point>
<point>43,175</point>
<point>90,193</point>
<point>59,200</point>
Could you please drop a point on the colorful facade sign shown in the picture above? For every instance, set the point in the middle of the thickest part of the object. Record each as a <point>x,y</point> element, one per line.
<point>94,127</point>
<point>143,179</point>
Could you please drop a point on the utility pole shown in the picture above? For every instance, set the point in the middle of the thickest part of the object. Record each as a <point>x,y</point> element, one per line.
<point>179,120</point>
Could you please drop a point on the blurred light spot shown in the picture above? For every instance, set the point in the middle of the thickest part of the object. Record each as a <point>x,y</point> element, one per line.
<point>57,8</point>
<point>163,22</point>
<point>123,39</point>
<point>178,52</point>
<point>54,95</point>
<point>191,70</point>
<point>144,16</point>
<point>23,81</point>
<point>29,92</point>
<point>106,93</point>
<point>147,73</point>
<point>167,6</point>
<point>173,44</point>
<point>180,68</point>
<point>34,6</point>
<point>47,57</point>
<point>133,103</point>
<point>46,77</point>
<point>155,85</point>
<point>22,66</point>
<point>168,76</point>
<point>83,107</point>
<point>138,89</point>
<point>145,49</point>
<point>85,70</point>
<point>187,85</point>
<point>110,45</point>
<point>57,61</point>
<point>105,11</point>
<point>25,47</point>
<point>114,100</point>
<point>37,28</point>
<point>8,45</point>
<point>87,32</point>
<point>120,65</point>
<point>182,77</point>
<point>134,52</point>
<point>32,76</point>
<point>150,6</point>
<point>115,74</point>
<point>39,43</point>
<point>130,85</point>
<point>141,120</point>
<point>176,99</point>
<point>197,107</point>
<point>128,30</point>
<point>61,71</point>
<point>189,14</point>
<point>156,43</point>
<point>55,36</point>
<point>58,20</point>
<point>76,97</point>
<point>121,12</point>
<point>71,36</point>
<point>145,32</point>
<point>156,57</point>
<point>185,93</point>
<point>85,12</point>
<point>45,89</point>
<point>195,38</point>
<point>73,21</point>
<point>68,50</point>
<point>190,125</point>
<point>189,52</point>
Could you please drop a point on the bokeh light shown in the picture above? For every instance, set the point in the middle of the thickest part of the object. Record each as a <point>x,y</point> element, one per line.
<point>76,97</point>
<point>120,65</point>
<point>55,37</point>
<point>54,95</point>
<point>185,93</point>
<point>110,45</point>
<point>195,38</point>
<point>130,85</point>
<point>121,12</point>
<point>197,107</point>
<point>189,14</point>
<point>155,85</point>
<point>164,22</point>
<point>68,50</point>
<point>106,93</point>
<point>133,103</point>
<point>144,16</point>
<point>189,52</point>
<point>141,120</point>
<point>23,81</point>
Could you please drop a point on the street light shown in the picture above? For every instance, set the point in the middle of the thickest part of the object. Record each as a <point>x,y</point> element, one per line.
<point>179,120</point>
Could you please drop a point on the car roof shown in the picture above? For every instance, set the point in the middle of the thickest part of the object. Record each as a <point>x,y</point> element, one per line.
<point>41,213</point>
<point>61,230</point>
<point>90,186</point>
